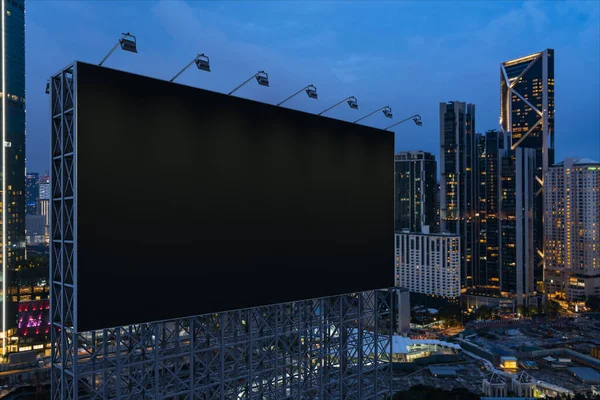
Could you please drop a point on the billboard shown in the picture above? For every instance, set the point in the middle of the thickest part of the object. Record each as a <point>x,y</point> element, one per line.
<point>192,202</point>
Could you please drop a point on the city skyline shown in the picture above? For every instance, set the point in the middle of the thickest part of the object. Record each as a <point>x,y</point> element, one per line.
<point>338,64</point>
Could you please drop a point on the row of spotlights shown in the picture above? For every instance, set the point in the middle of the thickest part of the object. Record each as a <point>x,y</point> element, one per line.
<point>128,42</point>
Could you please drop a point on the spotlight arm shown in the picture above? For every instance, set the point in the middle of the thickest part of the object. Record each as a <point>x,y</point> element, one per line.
<point>297,93</point>
<point>187,66</point>
<point>114,47</point>
<point>404,120</point>
<point>336,104</point>
<point>374,112</point>
<point>246,81</point>
<point>110,52</point>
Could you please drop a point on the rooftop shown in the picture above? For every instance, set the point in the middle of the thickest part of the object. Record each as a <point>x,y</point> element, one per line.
<point>586,374</point>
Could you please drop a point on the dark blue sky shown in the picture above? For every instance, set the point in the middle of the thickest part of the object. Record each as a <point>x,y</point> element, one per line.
<point>410,55</point>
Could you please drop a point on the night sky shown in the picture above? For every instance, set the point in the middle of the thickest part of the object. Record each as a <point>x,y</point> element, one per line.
<point>409,55</point>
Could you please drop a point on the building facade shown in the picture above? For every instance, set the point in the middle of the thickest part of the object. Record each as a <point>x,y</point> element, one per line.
<point>487,276</point>
<point>527,125</point>
<point>36,229</point>
<point>428,263</point>
<point>415,174</point>
<point>572,230</point>
<point>459,200</point>
<point>32,192</point>
<point>44,203</point>
<point>12,81</point>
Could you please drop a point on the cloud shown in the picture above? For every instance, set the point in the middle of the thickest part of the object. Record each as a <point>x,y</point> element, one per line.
<point>350,68</point>
<point>321,39</point>
<point>514,22</point>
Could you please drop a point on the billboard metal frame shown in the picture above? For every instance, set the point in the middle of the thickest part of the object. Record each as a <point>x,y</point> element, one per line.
<point>336,347</point>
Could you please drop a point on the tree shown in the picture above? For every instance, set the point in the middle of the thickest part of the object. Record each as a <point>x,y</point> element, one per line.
<point>553,306</point>
<point>593,303</point>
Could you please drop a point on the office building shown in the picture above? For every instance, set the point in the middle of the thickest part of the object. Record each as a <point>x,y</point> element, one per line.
<point>459,190</point>
<point>36,229</point>
<point>44,203</point>
<point>572,230</point>
<point>32,192</point>
<point>487,276</point>
<point>527,126</point>
<point>428,263</point>
<point>12,84</point>
<point>415,174</point>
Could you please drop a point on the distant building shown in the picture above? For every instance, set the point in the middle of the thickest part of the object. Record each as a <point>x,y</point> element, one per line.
<point>572,229</point>
<point>415,174</point>
<point>523,385</point>
<point>459,182</point>
<point>44,203</point>
<point>527,124</point>
<point>494,385</point>
<point>428,263</point>
<point>36,229</point>
<point>32,192</point>
<point>487,275</point>
<point>403,311</point>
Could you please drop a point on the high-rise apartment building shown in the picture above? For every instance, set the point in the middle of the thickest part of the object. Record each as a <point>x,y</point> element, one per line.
<point>32,192</point>
<point>12,86</point>
<point>428,263</point>
<point>459,164</point>
<point>572,229</point>
<point>527,124</point>
<point>415,174</point>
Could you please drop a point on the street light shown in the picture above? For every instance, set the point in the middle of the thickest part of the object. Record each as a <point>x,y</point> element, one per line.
<point>387,111</point>
<point>202,62</point>
<point>416,119</point>
<point>352,103</point>
<point>127,42</point>
<point>311,91</point>
<point>261,77</point>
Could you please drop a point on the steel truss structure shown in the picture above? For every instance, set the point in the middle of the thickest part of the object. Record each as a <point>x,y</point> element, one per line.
<point>336,347</point>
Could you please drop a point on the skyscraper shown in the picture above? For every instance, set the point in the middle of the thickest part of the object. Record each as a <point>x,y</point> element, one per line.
<point>572,230</point>
<point>415,174</point>
<point>32,192</point>
<point>458,186</point>
<point>12,81</point>
<point>487,276</point>
<point>527,124</point>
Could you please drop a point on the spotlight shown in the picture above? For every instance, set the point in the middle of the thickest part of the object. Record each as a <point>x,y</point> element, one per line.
<point>387,111</point>
<point>128,42</point>
<point>311,91</point>
<point>416,119</point>
<point>261,77</point>
<point>202,62</point>
<point>352,102</point>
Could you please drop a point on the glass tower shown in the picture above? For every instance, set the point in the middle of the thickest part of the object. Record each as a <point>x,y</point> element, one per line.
<point>12,84</point>
<point>458,186</point>
<point>527,123</point>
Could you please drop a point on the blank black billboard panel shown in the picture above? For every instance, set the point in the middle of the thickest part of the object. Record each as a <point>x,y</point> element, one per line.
<point>192,202</point>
